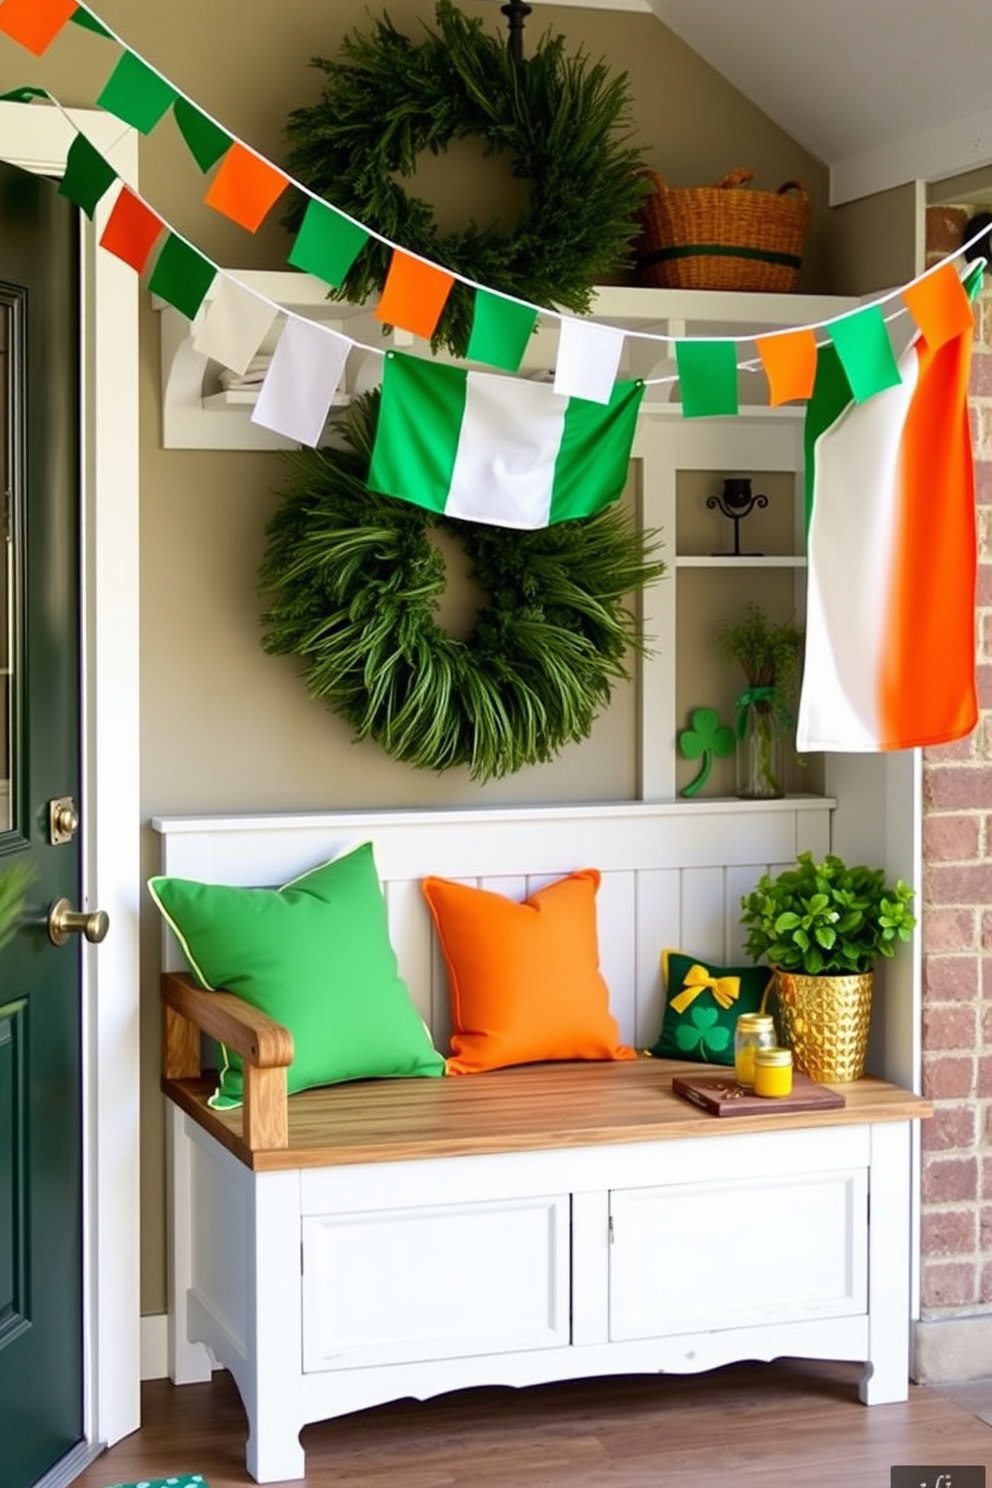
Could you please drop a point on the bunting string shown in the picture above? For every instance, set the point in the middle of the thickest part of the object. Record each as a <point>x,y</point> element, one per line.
<point>245,186</point>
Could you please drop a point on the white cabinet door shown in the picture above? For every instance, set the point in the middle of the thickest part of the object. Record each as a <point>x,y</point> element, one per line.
<point>444,1281</point>
<point>735,1253</point>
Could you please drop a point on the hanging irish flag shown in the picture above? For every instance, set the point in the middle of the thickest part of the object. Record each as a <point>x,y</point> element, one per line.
<point>890,626</point>
<point>495,449</point>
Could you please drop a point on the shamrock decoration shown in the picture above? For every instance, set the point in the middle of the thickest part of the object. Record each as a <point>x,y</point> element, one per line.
<point>697,1032</point>
<point>707,737</point>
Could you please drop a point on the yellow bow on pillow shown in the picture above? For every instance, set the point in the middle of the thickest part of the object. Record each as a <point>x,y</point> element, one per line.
<point>725,989</point>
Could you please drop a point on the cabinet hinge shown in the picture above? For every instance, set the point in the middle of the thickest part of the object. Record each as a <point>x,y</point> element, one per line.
<point>610,1229</point>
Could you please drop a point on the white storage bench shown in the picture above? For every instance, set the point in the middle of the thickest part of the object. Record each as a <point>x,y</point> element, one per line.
<point>383,1239</point>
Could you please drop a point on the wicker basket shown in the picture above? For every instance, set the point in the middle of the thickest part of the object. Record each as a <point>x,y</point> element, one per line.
<point>722,237</point>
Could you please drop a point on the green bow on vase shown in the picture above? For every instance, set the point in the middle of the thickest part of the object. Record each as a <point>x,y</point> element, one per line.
<point>769,654</point>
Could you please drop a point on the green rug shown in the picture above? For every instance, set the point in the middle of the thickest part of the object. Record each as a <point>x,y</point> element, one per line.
<point>183,1480</point>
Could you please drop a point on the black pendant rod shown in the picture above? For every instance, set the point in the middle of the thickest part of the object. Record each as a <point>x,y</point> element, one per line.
<point>516,13</point>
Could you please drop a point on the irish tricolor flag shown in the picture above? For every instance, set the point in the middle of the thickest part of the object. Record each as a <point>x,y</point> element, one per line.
<point>500,450</point>
<point>890,624</point>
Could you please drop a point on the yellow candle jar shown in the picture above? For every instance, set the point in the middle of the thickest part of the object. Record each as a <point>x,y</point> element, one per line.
<point>773,1072</point>
<point>753,1031</point>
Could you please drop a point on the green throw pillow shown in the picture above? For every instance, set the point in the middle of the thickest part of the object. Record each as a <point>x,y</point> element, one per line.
<point>702,1005</point>
<point>316,956</point>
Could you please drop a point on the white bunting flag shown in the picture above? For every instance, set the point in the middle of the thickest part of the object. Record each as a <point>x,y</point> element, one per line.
<point>588,360</point>
<point>300,384</point>
<point>233,325</point>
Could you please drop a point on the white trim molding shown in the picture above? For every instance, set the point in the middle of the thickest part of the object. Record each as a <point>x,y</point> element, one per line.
<point>963,145</point>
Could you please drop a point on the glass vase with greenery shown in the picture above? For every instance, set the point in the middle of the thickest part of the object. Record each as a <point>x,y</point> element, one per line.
<point>769,653</point>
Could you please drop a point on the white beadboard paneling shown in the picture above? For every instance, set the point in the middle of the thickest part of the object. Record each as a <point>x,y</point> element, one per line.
<point>616,906</point>
<point>658,896</point>
<point>813,834</point>
<point>672,876</point>
<point>703,912</point>
<point>412,938</point>
<point>530,841</point>
<point>738,882</point>
<point>514,887</point>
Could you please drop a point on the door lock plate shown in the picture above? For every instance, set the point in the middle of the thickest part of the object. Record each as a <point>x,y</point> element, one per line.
<point>63,820</point>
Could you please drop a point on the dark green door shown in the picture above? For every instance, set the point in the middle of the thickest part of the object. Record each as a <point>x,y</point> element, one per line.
<point>41,1194</point>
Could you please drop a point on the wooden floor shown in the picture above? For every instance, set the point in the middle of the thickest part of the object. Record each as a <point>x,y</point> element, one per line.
<point>782,1425</point>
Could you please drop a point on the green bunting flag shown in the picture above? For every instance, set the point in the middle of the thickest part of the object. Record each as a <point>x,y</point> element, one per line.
<point>205,140</point>
<point>137,94</point>
<point>708,374</point>
<point>24,95</point>
<point>87,176</point>
<point>863,346</point>
<point>831,395</point>
<point>500,450</point>
<point>84,18</point>
<point>501,330</point>
<point>327,243</point>
<point>182,276</point>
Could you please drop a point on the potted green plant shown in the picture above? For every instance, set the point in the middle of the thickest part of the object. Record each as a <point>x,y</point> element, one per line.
<point>822,926</point>
<point>14,884</point>
<point>769,653</point>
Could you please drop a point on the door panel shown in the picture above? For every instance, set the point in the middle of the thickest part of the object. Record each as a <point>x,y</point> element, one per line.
<point>40,998</point>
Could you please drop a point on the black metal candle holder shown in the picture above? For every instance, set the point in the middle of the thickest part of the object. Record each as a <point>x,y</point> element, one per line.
<point>737,502</point>
<point>516,13</point>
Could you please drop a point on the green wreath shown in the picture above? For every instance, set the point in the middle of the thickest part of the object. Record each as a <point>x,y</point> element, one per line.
<point>565,123</point>
<point>352,584</point>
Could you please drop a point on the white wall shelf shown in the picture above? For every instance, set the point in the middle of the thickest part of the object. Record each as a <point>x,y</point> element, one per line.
<point>197,413</point>
<point>743,560</point>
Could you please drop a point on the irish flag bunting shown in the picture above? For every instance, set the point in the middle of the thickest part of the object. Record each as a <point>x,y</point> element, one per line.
<point>246,187</point>
<point>890,642</point>
<point>501,450</point>
<point>35,23</point>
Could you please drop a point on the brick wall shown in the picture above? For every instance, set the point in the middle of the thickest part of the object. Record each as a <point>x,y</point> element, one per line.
<point>956,921</point>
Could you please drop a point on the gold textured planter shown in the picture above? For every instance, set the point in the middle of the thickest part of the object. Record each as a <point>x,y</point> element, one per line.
<point>824,1020</point>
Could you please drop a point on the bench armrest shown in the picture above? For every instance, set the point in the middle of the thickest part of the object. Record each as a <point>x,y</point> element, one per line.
<point>265,1047</point>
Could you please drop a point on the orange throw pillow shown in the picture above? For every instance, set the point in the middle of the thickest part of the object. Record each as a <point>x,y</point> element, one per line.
<point>524,978</point>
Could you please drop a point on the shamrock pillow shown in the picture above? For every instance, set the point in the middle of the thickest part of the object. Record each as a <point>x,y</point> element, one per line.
<point>702,1005</point>
<point>316,956</point>
<point>524,978</point>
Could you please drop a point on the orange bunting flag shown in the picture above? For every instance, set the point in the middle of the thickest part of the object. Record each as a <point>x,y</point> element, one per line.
<point>246,187</point>
<point>35,23</point>
<point>131,230</point>
<point>413,295</point>
<point>940,306</point>
<point>790,365</point>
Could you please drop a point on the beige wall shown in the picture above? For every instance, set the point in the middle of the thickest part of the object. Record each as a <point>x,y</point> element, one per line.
<point>225,727</point>
<point>873,241</point>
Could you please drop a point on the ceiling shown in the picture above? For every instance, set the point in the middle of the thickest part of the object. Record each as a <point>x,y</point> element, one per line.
<point>882,91</point>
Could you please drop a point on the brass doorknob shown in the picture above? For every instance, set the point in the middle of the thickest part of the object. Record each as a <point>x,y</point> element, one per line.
<point>64,921</point>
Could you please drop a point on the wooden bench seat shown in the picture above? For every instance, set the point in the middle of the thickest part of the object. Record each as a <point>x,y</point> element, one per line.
<point>512,1110</point>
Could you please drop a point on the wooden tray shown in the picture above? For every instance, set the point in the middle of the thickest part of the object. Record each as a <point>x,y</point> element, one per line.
<point>722,1096</point>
